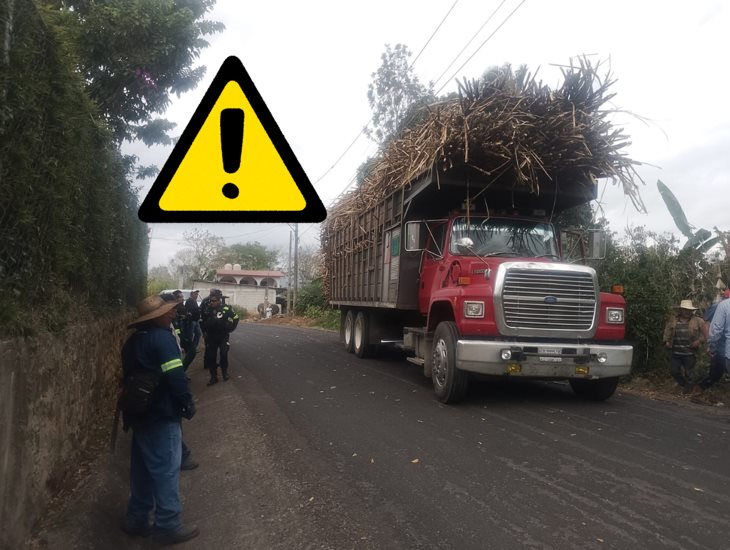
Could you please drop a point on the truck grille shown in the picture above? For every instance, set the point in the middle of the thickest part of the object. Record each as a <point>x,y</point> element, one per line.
<point>546,299</point>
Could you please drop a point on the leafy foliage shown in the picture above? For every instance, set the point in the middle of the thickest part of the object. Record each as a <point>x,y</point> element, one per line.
<point>393,93</point>
<point>195,261</point>
<point>251,255</point>
<point>311,264</point>
<point>323,317</point>
<point>656,276</point>
<point>701,239</point>
<point>158,279</point>
<point>132,54</point>
<point>72,244</point>
<point>311,295</point>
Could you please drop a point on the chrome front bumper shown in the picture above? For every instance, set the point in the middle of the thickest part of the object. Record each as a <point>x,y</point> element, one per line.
<point>553,360</point>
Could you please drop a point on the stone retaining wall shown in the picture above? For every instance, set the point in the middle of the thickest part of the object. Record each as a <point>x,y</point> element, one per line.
<point>55,390</point>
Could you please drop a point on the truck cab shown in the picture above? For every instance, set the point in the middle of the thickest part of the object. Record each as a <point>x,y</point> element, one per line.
<point>499,301</point>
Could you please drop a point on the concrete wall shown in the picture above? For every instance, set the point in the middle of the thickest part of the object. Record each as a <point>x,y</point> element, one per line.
<point>240,295</point>
<point>55,390</point>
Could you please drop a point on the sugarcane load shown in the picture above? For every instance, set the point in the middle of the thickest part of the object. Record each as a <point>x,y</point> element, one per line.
<point>448,250</point>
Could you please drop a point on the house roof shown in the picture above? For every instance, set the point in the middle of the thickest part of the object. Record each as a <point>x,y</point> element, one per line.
<point>250,273</point>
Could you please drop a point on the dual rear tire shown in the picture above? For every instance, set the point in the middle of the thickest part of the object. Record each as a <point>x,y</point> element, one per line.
<point>356,333</point>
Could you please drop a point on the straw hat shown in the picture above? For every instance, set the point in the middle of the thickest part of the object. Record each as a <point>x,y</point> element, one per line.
<point>687,304</point>
<point>152,307</point>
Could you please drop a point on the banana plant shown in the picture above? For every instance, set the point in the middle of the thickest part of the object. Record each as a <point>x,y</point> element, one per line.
<point>701,239</point>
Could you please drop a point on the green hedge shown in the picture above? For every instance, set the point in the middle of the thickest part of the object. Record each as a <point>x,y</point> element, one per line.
<point>72,245</point>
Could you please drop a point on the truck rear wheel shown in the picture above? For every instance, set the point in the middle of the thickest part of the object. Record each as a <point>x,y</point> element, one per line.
<point>348,330</point>
<point>449,383</point>
<point>361,343</point>
<point>594,390</point>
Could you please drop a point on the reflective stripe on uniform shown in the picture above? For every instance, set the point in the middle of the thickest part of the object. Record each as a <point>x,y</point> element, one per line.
<point>171,365</point>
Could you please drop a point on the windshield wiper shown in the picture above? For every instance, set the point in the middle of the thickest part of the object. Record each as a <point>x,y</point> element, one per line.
<point>502,253</point>
<point>555,257</point>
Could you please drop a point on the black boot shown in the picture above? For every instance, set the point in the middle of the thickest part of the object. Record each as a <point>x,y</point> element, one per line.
<point>213,375</point>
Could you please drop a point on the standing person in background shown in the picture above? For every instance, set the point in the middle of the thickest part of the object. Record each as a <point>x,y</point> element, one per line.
<point>219,320</point>
<point>187,463</point>
<point>205,310</point>
<point>717,362</point>
<point>157,434</point>
<point>719,339</point>
<point>191,329</point>
<point>683,334</point>
<point>195,295</point>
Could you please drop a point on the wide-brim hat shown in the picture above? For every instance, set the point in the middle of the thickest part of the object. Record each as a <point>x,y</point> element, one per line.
<point>150,308</point>
<point>687,304</point>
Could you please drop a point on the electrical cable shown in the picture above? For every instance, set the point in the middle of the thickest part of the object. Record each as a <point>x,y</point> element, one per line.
<point>458,55</point>
<point>481,45</point>
<point>367,123</point>
<point>434,33</point>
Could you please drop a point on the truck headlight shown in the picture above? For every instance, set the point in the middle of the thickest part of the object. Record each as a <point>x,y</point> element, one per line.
<point>615,315</point>
<point>474,309</point>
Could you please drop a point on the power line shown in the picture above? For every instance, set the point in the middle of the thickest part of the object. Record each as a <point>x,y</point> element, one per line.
<point>434,33</point>
<point>482,45</point>
<point>362,131</point>
<point>367,123</point>
<point>445,83</point>
<point>458,55</point>
<point>264,230</point>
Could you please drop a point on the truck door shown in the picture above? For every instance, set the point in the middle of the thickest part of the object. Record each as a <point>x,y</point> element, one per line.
<point>431,261</point>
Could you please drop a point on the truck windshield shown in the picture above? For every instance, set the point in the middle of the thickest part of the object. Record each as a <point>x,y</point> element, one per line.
<point>502,237</point>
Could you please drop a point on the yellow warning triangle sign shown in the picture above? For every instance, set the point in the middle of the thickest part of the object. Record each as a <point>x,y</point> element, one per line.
<point>232,163</point>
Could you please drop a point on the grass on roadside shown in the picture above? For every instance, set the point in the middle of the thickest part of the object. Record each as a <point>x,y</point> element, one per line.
<point>323,317</point>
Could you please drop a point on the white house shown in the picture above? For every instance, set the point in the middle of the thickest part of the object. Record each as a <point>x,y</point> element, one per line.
<point>244,287</point>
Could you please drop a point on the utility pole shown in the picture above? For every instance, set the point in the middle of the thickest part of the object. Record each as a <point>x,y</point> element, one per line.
<point>296,265</point>
<point>289,309</point>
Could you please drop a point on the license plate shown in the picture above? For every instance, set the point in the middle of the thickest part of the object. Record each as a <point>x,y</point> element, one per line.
<point>546,353</point>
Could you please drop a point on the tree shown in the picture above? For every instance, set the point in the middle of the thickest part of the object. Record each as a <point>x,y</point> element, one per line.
<point>394,92</point>
<point>311,264</point>
<point>133,54</point>
<point>251,255</point>
<point>195,261</point>
<point>159,278</point>
<point>701,239</point>
<point>656,275</point>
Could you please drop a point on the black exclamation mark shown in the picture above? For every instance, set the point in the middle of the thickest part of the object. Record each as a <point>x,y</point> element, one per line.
<point>231,146</point>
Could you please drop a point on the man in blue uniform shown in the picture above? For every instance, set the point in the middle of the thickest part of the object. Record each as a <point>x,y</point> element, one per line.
<point>152,352</point>
<point>717,360</point>
<point>719,340</point>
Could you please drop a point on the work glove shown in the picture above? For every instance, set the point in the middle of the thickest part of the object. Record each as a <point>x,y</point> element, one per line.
<point>189,411</point>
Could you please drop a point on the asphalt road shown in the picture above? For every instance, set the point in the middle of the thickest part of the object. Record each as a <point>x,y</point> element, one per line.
<point>516,465</point>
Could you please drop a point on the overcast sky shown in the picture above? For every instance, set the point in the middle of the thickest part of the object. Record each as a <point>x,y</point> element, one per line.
<point>312,63</point>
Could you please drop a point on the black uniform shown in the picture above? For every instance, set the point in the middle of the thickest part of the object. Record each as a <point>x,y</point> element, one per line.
<point>218,322</point>
<point>190,328</point>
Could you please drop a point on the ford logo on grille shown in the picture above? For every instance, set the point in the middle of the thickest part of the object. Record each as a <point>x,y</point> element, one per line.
<point>551,300</point>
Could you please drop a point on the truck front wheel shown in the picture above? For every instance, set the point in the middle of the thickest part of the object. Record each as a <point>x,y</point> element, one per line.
<point>348,330</point>
<point>449,383</point>
<point>594,390</point>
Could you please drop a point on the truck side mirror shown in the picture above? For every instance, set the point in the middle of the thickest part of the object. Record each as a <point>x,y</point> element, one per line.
<point>598,243</point>
<point>415,237</point>
<point>577,244</point>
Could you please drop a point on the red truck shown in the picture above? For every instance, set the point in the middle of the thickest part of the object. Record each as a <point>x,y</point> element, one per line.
<point>470,279</point>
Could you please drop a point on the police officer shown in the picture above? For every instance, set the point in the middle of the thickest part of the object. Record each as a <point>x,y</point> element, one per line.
<point>218,321</point>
